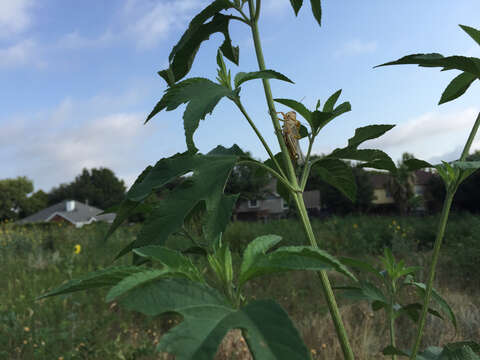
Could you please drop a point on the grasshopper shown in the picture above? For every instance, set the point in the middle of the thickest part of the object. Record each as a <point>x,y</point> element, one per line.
<point>291,135</point>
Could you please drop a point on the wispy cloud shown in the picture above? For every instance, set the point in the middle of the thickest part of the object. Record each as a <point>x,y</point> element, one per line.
<point>356,47</point>
<point>20,54</point>
<point>431,136</point>
<point>150,22</point>
<point>15,16</point>
<point>74,40</point>
<point>56,144</point>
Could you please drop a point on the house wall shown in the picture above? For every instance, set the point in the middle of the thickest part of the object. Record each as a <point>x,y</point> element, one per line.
<point>58,218</point>
<point>266,205</point>
<point>380,197</point>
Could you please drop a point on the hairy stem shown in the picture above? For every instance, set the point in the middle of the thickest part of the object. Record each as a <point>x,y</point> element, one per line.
<point>391,318</point>
<point>259,135</point>
<point>438,242</point>
<point>331,302</point>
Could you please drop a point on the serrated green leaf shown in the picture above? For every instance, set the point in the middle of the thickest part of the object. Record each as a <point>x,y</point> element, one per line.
<point>170,294</point>
<point>467,64</point>
<point>375,159</point>
<point>416,164</point>
<point>173,261</point>
<point>289,258</point>
<point>466,350</point>
<point>391,350</point>
<point>361,265</point>
<point>320,119</point>
<point>317,10</point>
<point>363,291</point>
<point>298,107</point>
<point>442,303</point>
<point>241,77</point>
<point>269,333</point>
<point>210,173</point>
<point>130,283</point>
<point>369,132</point>
<point>183,53</point>
<point>101,278</point>
<point>296,5</point>
<point>255,249</point>
<point>330,103</point>
<point>337,174</point>
<point>126,207</point>
<point>202,95</point>
<point>413,311</point>
<point>472,32</point>
<point>457,87</point>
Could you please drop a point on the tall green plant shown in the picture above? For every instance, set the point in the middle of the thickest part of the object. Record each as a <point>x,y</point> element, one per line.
<point>200,283</point>
<point>452,174</point>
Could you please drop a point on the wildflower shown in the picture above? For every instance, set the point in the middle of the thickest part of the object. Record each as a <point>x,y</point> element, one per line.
<point>26,329</point>
<point>61,358</point>
<point>398,227</point>
<point>313,351</point>
<point>394,222</point>
<point>355,226</point>
<point>43,343</point>
<point>25,342</point>
<point>324,346</point>
<point>77,249</point>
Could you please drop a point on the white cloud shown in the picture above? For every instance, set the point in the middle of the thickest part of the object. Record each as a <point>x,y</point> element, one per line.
<point>75,40</point>
<point>55,145</point>
<point>356,47</point>
<point>431,136</point>
<point>15,16</point>
<point>20,54</point>
<point>150,22</point>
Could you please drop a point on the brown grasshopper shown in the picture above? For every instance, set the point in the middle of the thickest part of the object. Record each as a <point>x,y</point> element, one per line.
<point>291,135</point>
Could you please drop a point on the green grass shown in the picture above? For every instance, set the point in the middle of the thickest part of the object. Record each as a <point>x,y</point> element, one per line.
<point>34,259</point>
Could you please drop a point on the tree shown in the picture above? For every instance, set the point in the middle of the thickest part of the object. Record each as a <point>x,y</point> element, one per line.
<point>468,194</point>
<point>247,181</point>
<point>13,197</point>
<point>334,201</point>
<point>401,185</point>
<point>99,187</point>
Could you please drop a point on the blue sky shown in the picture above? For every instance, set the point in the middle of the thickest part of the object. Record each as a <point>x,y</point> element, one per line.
<point>77,79</point>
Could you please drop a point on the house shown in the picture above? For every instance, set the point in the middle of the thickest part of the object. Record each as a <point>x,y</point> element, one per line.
<point>272,206</point>
<point>69,211</point>
<point>382,195</point>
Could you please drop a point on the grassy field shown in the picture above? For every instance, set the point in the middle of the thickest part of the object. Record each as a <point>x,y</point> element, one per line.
<point>81,326</point>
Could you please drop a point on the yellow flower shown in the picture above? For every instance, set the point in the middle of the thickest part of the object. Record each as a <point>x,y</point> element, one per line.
<point>355,226</point>
<point>394,222</point>
<point>313,351</point>
<point>60,358</point>
<point>398,227</point>
<point>26,329</point>
<point>324,346</point>
<point>77,248</point>
<point>25,342</point>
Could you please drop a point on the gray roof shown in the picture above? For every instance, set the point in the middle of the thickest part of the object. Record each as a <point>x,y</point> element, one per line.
<point>81,213</point>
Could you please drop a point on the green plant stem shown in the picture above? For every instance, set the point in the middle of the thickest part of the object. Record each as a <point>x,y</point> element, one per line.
<point>271,171</point>
<point>259,135</point>
<point>392,319</point>
<point>469,142</point>
<point>307,167</point>
<point>438,242</point>
<point>431,276</point>
<point>327,288</point>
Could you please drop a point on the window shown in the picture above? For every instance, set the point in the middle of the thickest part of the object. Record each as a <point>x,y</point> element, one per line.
<point>253,204</point>
<point>284,205</point>
<point>388,195</point>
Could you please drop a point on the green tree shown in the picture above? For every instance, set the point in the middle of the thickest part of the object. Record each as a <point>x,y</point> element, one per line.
<point>36,202</point>
<point>247,181</point>
<point>100,187</point>
<point>401,185</point>
<point>333,200</point>
<point>13,197</point>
